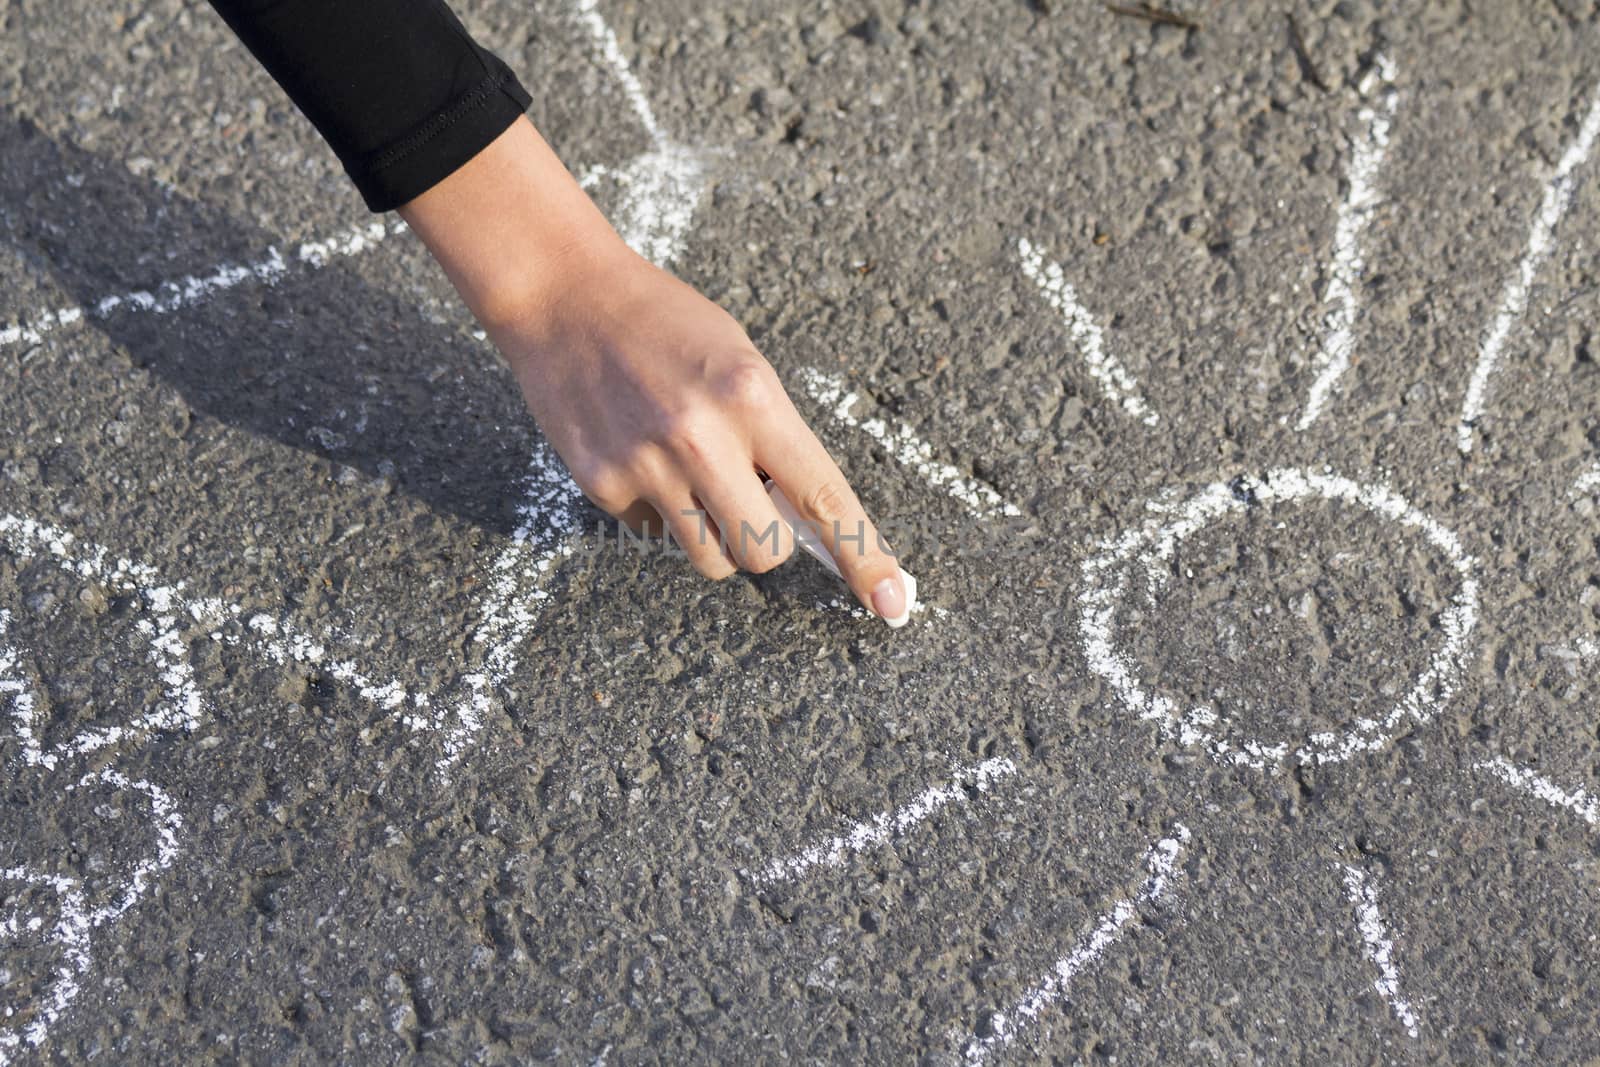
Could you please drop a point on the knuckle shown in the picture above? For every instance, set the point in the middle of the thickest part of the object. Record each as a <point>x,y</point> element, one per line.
<point>608,487</point>
<point>748,384</point>
<point>829,502</point>
<point>687,437</point>
<point>760,549</point>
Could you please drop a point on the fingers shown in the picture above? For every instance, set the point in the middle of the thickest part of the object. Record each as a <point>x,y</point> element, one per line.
<point>725,524</point>
<point>696,533</point>
<point>793,457</point>
<point>642,518</point>
<point>691,530</point>
<point>752,531</point>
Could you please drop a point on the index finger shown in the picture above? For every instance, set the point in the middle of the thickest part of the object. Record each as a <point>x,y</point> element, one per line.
<point>792,457</point>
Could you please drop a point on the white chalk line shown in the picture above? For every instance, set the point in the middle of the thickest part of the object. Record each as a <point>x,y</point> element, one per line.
<point>880,829</point>
<point>1342,298</point>
<point>1114,378</point>
<point>1588,482</point>
<point>168,296</point>
<point>182,706</point>
<point>1056,984</point>
<point>980,500</point>
<point>1378,944</point>
<point>1151,547</point>
<point>662,187</point>
<point>605,39</point>
<point>549,517</point>
<point>661,192</point>
<point>1576,801</point>
<point>1514,301</point>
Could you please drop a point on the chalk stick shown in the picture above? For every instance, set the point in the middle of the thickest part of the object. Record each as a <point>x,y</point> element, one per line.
<point>805,535</point>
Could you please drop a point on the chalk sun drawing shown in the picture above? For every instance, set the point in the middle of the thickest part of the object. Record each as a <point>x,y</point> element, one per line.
<point>657,196</point>
<point>1138,562</point>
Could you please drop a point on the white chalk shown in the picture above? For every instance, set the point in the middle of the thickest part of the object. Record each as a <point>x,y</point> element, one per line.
<point>1119,384</point>
<point>178,293</point>
<point>881,828</point>
<point>1379,945</point>
<point>1588,482</point>
<point>1344,275</point>
<point>1580,803</point>
<point>805,535</point>
<point>1514,301</point>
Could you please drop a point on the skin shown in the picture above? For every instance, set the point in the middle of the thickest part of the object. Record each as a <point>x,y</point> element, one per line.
<point>653,396</point>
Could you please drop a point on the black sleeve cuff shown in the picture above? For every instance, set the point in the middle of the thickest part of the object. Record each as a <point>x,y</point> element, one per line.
<point>451,137</point>
<point>398,88</point>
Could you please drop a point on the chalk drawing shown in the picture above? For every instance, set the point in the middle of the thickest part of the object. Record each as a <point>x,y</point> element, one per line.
<point>550,515</point>
<point>886,826</point>
<point>1149,549</point>
<point>70,934</point>
<point>1580,803</point>
<point>1139,561</point>
<point>661,192</point>
<point>170,608</point>
<point>1104,368</point>
<point>168,296</point>
<point>1056,984</point>
<point>1380,947</point>
<point>182,707</point>
<point>1514,301</point>
<point>902,442</point>
<point>663,186</point>
<point>1344,277</point>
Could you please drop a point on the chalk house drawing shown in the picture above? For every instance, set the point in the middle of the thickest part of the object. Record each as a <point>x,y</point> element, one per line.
<point>1136,562</point>
<point>653,199</point>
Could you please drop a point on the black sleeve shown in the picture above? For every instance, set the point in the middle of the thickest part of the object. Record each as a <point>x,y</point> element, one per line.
<point>398,88</point>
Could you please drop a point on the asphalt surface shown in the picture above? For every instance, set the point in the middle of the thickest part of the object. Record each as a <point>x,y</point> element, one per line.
<point>332,734</point>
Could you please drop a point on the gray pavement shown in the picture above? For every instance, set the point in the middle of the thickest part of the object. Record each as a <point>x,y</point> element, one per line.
<point>1257,359</point>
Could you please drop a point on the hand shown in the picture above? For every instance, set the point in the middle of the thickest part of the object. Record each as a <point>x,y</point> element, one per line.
<point>656,400</point>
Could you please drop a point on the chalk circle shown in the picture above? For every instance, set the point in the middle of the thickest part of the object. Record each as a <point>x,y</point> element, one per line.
<point>1151,547</point>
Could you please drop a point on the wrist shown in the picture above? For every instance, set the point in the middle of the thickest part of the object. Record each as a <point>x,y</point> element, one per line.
<point>513,231</point>
<point>535,279</point>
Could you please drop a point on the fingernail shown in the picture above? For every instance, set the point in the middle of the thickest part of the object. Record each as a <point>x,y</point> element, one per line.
<point>892,599</point>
